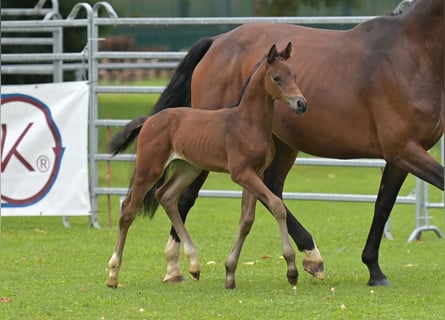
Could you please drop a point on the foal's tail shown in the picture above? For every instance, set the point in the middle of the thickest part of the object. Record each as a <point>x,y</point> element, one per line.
<point>123,139</point>
<point>176,94</point>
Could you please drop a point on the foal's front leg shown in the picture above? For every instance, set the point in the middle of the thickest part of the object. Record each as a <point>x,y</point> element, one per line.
<point>251,181</point>
<point>274,178</point>
<point>245,224</point>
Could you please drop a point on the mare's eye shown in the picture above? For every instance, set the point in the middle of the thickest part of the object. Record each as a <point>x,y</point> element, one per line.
<point>276,77</point>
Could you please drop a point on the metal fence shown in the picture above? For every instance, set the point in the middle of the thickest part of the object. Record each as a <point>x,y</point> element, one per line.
<point>91,60</point>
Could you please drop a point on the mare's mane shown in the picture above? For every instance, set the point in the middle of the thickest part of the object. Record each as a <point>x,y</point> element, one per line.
<point>402,7</point>
<point>245,84</point>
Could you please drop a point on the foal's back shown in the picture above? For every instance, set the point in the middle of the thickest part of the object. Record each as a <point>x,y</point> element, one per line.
<point>190,134</point>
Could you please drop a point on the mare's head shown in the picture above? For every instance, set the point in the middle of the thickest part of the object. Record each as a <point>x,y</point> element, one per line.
<point>280,79</point>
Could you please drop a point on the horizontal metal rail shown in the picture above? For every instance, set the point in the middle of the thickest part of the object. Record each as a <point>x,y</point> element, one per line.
<point>154,65</point>
<point>129,89</point>
<point>25,12</point>
<point>302,161</point>
<point>228,21</point>
<point>26,41</point>
<point>39,68</point>
<point>236,194</point>
<point>92,59</point>
<point>49,57</point>
<point>43,24</point>
<point>162,55</point>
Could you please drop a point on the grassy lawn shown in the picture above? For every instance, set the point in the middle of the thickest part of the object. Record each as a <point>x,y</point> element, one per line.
<point>50,272</point>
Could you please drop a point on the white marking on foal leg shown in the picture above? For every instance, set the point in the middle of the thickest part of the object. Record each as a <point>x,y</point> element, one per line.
<point>174,273</point>
<point>313,262</point>
<point>113,270</point>
<point>195,267</point>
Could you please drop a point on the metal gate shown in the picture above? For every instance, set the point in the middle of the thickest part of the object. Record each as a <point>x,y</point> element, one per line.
<point>90,61</point>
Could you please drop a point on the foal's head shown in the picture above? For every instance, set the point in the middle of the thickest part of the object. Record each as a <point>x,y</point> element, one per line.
<point>280,79</point>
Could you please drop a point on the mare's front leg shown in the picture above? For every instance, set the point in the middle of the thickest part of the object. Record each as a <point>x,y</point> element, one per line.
<point>392,180</point>
<point>248,179</point>
<point>274,178</point>
<point>245,224</point>
<point>172,248</point>
<point>168,195</point>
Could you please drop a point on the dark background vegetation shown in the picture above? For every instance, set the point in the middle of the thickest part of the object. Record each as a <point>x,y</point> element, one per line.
<point>179,37</point>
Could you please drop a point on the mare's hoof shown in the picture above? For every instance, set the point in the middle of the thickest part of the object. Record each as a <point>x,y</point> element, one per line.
<point>292,278</point>
<point>314,268</point>
<point>379,282</point>
<point>230,285</point>
<point>174,279</point>
<point>195,275</point>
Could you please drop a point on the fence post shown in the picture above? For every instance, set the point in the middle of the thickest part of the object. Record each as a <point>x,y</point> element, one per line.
<point>423,205</point>
<point>92,105</point>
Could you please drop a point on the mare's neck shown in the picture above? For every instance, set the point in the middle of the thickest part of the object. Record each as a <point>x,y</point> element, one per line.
<point>424,22</point>
<point>256,104</point>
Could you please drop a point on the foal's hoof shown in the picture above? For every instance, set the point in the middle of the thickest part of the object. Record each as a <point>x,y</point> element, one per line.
<point>112,284</point>
<point>314,268</point>
<point>174,279</point>
<point>292,278</point>
<point>384,282</point>
<point>195,275</point>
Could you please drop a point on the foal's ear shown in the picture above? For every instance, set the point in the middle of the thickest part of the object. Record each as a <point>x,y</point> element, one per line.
<point>273,53</point>
<point>286,53</point>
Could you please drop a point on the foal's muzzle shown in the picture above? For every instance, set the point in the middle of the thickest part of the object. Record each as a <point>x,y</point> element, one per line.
<point>298,104</point>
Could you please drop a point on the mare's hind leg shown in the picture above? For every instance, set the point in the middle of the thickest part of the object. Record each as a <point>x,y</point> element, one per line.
<point>248,179</point>
<point>420,163</point>
<point>392,180</point>
<point>172,248</point>
<point>168,195</point>
<point>274,178</point>
<point>245,224</point>
<point>415,160</point>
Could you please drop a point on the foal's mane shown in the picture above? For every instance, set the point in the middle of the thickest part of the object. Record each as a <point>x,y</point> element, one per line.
<point>246,83</point>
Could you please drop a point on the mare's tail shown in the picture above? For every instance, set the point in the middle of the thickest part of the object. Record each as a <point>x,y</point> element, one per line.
<point>176,94</point>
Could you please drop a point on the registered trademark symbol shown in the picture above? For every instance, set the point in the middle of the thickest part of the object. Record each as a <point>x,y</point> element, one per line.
<point>43,163</point>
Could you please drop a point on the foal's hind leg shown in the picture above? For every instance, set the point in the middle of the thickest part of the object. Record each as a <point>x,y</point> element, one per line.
<point>128,214</point>
<point>130,207</point>
<point>245,224</point>
<point>145,176</point>
<point>172,248</point>
<point>248,179</point>
<point>168,195</point>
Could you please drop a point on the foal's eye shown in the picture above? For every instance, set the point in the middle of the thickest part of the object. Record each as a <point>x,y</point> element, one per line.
<point>276,77</point>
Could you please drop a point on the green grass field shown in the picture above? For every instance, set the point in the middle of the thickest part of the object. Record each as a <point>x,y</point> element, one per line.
<point>50,272</point>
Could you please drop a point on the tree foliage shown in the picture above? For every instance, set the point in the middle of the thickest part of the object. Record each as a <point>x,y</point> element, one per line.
<point>291,7</point>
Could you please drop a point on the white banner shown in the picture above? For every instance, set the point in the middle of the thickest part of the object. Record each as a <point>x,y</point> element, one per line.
<point>44,155</point>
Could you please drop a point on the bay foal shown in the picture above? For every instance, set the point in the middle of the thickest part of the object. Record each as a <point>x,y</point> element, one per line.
<point>235,140</point>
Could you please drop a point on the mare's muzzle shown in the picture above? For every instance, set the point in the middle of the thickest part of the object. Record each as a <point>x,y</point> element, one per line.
<point>298,104</point>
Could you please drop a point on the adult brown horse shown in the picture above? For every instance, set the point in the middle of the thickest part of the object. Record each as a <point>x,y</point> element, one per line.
<point>234,140</point>
<point>376,90</point>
